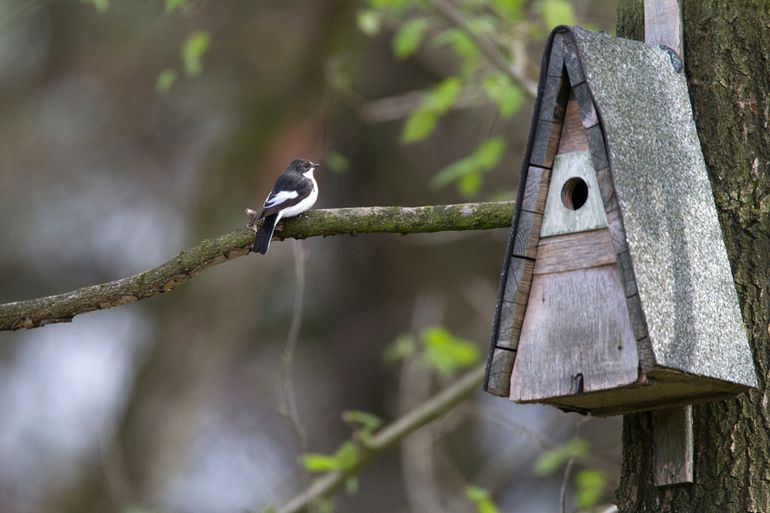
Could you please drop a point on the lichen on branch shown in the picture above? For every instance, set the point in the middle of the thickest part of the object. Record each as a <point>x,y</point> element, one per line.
<point>33,313</point>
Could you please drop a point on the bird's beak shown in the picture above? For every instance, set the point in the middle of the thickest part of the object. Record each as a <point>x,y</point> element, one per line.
<point>314,165</point>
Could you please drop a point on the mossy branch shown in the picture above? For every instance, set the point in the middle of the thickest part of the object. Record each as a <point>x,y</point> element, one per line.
<point>34,313</point>
<point>388,437</point>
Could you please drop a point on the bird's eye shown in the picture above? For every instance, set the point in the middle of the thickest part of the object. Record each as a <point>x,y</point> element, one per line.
<point>307,165</point>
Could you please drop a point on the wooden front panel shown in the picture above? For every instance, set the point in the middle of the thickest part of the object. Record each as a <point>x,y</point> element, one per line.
<point>577,335</point>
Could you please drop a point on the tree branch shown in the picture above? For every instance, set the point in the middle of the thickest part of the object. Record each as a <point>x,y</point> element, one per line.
<point>34,313</point>
<point>387,437</point>
<point>450,13</point>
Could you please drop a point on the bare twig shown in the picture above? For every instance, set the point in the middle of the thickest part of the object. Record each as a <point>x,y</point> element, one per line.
<point>34,313</point>
<point>289,397</point>
<point>565,485</point>
<point>450,13</point>
<point>388,436</point>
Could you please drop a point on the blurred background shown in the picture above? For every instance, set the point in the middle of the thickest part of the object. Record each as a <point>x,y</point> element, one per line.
<point>131,130</point>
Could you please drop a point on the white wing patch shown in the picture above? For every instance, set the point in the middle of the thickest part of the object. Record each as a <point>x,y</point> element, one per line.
<point>279,198</point>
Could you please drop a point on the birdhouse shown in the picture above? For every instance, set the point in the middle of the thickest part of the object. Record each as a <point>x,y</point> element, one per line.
<point>616,293</point>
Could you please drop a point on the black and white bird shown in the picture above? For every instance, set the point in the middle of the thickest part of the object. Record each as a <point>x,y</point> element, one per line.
<point>294,192</point>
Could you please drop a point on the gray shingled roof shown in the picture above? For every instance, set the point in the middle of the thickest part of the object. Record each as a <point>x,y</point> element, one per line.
<point>678,254</point>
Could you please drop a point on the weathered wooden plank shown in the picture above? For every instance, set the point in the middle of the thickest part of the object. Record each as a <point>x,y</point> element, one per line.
<point>673,448</point>
<point>606,187</point>
<point>509,329</point>
<point>570,169</point>
<point>554,102</point>
<point>556,59</point>
<point>627,273</point>
<point>499,372</point>
<point>636,314</point>
<point>527,234</point>
<point>545,142</point>
<point>518,280</point>
<point>598,149</point>
<point>646,356</point>
<point>615,224</point>
<point>663,24</point>
<point>572,63</point>
<point>577,323</point>
<point>585,101</point>
<point>573,135</point>
<point>573,251</point>
<point>536,189</point>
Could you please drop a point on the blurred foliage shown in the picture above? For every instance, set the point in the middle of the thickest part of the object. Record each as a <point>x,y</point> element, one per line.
<point>100,5</point>
<point>589,487</point>
<point>480,498</point>
<point>589,483</point>
<point>507,25</point>
<point>439,350</point>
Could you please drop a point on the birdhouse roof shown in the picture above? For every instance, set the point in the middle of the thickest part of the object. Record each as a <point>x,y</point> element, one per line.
<point>660,180</point>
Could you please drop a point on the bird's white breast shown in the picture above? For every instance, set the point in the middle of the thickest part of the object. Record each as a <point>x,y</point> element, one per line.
<point>305,203</point>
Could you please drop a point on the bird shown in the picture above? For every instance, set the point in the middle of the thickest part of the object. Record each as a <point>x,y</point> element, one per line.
<point>294,192</point>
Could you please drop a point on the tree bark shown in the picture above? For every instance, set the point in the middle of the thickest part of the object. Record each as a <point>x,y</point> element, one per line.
<point>34,313</point>
<point>727,63</point>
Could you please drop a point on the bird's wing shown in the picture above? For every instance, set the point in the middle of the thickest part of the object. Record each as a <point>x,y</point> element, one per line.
<point>287,192</point>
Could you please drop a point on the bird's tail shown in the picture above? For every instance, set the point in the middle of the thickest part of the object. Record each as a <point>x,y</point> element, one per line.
<point>265,234</point>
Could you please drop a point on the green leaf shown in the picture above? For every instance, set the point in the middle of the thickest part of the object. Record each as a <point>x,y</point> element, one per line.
<point>351,485</point>
<point>193,49</point>
<point>551,460</point>
<point>408,38</point>
<point>489,153</point>
<point>446,353</point>
<point>510,9</point>
<point>165,81</point>
<point>347,456</point>
<point>461,45</point>
<point>100,5</point>
<point>435,102</point>
<point>441,98</point>
<point>399,349</point>
<point>469,185</point>
<point>418,126</point>
<point>555,12</point>
<point>367,420</point>
<point>508,96</point>
<point>589,487</point>
<point>480,498</point>
<point>368,21</point>
<point>468,171</point>
<point>315,462</point>
<point>172,5</point>
<point>337,163</point>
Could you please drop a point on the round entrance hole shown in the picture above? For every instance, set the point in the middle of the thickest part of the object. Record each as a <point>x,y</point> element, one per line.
<point>574,194</point>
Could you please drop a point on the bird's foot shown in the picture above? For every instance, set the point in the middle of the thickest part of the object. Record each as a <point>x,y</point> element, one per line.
<point>253,218</point>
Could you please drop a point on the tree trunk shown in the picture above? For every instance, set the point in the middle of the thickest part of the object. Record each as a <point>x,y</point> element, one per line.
<point>727,62</point>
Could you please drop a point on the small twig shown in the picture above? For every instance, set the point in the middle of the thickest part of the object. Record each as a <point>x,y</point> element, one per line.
<point>287,360</point>
<point>33,313</point>
<point>389,436</point>
<point>450,13</point>
<point>565,484</point>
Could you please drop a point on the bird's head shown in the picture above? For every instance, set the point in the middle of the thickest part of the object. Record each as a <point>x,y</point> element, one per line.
<point>302,166</point>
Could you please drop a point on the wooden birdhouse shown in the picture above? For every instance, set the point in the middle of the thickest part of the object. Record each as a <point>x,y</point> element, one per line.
<point>616,293</point>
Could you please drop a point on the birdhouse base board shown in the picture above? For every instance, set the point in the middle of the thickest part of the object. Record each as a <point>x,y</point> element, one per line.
<point>661,388</point>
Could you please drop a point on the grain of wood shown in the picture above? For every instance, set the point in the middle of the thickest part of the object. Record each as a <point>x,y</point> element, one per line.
<point>527,234</point>
<point>673,452</point>
<point>536,189</point>
<point>573,135</point>
<point>545,143</point>
<point>585,101</point>
<point>498,380</point>
<point>663,24</point>
<point>576,323</point>
<point>573,251</point>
